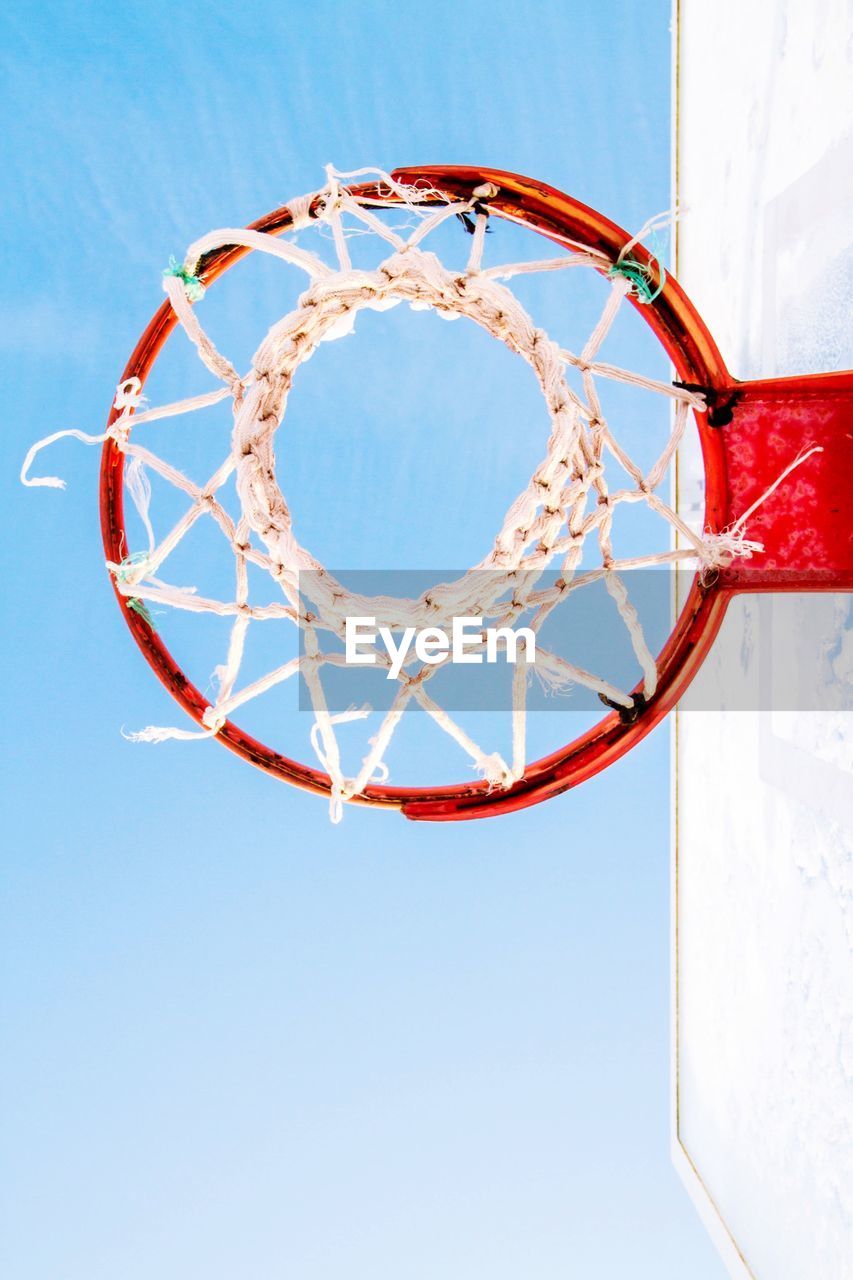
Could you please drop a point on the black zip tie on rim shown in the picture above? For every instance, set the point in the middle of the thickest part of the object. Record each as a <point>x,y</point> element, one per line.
<point>720,412</point>
<point>627,715</point>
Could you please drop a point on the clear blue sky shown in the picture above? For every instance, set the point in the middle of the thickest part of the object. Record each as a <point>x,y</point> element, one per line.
<point>237,1041</point>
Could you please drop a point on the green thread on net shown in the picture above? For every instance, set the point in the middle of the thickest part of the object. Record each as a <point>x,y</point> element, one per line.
<point>130,562</point>
<point>640,278</point>
<point>140,607</point>
<point>193,286</point>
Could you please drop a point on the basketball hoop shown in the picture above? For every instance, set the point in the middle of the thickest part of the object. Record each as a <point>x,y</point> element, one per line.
<point>778,460</point>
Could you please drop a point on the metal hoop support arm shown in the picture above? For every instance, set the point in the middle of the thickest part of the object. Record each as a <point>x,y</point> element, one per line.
<point>806,528</point>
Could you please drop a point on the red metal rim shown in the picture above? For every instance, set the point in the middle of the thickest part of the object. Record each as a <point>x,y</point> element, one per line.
<point>694,354</point>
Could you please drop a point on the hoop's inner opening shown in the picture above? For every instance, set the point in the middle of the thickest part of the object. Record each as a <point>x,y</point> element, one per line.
<point>404,444</point>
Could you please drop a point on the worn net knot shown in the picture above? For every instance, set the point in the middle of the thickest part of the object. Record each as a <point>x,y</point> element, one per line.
<point>193,286</point>
<point>720,550</point>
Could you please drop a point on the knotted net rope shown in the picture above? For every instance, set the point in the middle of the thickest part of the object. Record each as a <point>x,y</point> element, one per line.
<point>566,506</point>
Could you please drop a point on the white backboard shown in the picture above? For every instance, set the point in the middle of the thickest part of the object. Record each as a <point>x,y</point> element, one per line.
<point>763,799</point>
